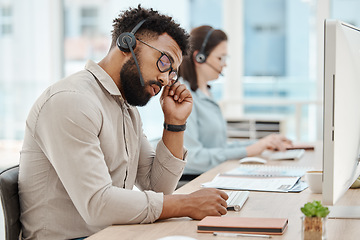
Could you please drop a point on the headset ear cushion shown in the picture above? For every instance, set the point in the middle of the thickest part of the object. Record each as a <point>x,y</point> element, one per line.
<point>200,58</point>
<point>123,45</point>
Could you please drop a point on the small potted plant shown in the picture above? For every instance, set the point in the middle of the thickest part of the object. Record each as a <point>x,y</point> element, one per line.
<point>313,223</point>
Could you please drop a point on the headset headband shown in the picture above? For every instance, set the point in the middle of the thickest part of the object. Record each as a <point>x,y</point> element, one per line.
<point>206,39</point>
<point>137,26</point>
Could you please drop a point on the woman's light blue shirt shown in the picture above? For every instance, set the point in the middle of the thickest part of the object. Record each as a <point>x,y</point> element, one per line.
<point>206,136</point>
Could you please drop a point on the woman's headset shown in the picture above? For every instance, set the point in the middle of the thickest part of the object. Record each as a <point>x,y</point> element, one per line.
<point>201,56</point>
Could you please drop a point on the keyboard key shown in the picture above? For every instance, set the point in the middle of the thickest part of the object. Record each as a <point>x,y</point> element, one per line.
<point>236,199</point>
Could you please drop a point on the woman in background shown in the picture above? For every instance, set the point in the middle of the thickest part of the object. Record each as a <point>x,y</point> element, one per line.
<point>205,135</point>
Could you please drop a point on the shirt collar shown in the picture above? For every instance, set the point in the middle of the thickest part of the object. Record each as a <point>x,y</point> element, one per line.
<point>105,80</point>
<point>202,95</point>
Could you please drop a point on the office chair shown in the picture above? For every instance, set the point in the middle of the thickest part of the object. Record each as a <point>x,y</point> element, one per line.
<point>10,202</point>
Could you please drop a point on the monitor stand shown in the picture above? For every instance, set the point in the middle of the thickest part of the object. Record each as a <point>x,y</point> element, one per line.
<point>344,212</point>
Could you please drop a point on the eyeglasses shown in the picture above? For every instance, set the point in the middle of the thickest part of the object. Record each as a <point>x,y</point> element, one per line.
<point>164,65</point>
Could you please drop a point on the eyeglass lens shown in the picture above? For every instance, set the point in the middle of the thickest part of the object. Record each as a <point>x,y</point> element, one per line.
<point>164,65</point>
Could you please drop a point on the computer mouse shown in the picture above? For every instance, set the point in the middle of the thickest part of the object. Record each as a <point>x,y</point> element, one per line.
<point>256,160</point>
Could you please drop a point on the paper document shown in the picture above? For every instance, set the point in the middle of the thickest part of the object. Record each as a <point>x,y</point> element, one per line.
<point>268,171</point>
<point>273,184</point>
<point>299,187</point>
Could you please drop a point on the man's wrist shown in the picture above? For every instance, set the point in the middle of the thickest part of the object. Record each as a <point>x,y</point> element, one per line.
<point>174,128</point>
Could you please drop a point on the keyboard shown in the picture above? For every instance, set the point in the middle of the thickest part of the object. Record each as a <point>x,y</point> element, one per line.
<point>236,199</point>
<point>287,155</point>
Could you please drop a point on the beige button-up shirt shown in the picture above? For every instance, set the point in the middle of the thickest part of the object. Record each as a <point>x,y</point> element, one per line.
<point>84,150</point>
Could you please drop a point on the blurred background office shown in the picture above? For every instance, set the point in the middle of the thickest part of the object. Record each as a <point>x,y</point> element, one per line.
<point>273,81</point>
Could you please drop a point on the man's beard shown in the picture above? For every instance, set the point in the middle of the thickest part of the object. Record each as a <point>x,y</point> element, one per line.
<point>134,93</point>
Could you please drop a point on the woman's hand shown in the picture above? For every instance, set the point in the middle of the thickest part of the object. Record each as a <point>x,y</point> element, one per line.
<point>271,142</point>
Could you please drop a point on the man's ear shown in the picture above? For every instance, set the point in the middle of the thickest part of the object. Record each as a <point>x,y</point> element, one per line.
<point>118,56</point>
<point>125,54</point>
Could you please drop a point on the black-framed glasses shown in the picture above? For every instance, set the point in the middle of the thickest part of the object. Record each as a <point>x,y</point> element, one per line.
<point>164,64</point>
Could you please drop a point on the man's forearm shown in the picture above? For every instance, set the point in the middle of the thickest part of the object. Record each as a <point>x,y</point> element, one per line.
<point>174,141</point>
<point>172,206</point>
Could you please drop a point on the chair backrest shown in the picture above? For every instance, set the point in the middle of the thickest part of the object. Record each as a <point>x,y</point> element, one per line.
<point>10,202</point>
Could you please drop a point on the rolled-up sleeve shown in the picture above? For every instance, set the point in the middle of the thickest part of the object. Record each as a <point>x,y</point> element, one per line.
<point>161,173</point>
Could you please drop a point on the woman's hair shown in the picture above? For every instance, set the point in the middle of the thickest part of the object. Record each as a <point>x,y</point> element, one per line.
<point>197,36</point>
<point>155,23</point>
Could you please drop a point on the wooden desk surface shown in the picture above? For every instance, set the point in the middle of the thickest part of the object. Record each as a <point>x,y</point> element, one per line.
<point>259,204</point>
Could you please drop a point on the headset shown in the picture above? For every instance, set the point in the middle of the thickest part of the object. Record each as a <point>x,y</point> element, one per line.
<point>126,42</point>
<point>201,56</point>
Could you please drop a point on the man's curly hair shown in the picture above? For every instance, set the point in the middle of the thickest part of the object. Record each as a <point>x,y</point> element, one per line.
<point>155,23</point>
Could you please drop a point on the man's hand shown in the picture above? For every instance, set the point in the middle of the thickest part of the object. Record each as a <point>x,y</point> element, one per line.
<point>206,202</point>
<point>197,205</point>
<point>271,142</point>
<point>176,102</point>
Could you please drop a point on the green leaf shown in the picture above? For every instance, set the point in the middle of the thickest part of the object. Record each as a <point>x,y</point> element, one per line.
<point>314,209</point>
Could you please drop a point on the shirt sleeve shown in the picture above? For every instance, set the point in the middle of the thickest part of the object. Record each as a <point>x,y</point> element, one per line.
<point>68,135</point>
<point>162,172</point>
<point>236,144</point>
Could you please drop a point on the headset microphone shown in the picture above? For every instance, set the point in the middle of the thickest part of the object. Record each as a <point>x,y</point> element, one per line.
<point>126,42</point>
<point>214,68</point>
<point>136,63</point>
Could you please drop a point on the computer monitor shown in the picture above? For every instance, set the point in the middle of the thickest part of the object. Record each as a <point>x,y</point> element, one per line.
<point>341,119</point>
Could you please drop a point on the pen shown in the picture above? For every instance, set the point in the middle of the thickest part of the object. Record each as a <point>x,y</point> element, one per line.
<point>240,235</point>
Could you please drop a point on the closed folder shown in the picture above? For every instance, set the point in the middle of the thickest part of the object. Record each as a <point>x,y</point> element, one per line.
<point>274,226</point>
<point>301,146</point>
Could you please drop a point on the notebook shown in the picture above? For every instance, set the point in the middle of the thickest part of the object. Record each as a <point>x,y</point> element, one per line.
<point>302,146</point>
<point>275,226</point>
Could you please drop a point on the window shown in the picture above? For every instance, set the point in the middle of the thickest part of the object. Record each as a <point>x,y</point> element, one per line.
<point>265,38</point>
<point>278,52</point>
<point>89,19</point>
<point>277,74</point>
<point>346,10</point>
<point>6,21</point>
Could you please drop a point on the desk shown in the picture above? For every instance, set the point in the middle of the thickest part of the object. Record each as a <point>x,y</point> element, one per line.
<point>259,204</point>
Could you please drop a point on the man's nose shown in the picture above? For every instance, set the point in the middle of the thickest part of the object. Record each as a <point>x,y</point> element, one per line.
<point>164,78</point>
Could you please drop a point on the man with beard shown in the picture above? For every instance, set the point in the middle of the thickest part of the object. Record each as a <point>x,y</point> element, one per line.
<point>84,148</point>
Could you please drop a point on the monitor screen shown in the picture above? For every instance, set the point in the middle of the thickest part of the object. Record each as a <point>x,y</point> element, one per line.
<point>341,119</point>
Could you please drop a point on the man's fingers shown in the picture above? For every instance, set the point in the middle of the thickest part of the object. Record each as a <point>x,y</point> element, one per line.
<point>223,210</point>
<point>165,92</point>
<point>181,92</point>
<point>223,195</point>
